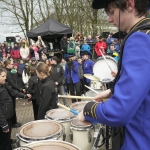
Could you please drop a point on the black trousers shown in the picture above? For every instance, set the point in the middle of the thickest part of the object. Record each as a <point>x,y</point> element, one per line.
<point>14,118</point>
<point>35,108</point>
<point>75,87</point>
<point>82,85</point>
<point>5,138</point>
<point>87,84</point>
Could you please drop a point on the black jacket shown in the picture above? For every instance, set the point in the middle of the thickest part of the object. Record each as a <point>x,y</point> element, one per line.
<point>10,80</point>
<point>32,86</point>
<point>57,74</point>
<point>6,108</point>
<point>48,97</point>
<point>14,93</point>
<point>64,44</point>
<point>17,78</point>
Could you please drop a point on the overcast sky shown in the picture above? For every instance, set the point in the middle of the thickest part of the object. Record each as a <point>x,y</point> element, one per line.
<point>7,30</point>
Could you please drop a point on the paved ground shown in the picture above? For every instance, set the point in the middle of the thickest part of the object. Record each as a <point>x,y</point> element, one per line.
<point>25,114</point>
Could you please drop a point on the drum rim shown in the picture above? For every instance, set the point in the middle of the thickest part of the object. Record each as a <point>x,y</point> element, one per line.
<point>107,56</point>
<point>55,141</point>
<point>65,119</point>
<point>41,138</point>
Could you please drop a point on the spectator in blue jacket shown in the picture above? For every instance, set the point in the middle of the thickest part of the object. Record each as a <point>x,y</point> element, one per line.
<point>87,66</point>
<point>85,46</point>
<point>72,77</point>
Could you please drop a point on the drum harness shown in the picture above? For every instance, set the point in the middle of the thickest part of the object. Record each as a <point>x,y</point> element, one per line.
<point>118,133</point>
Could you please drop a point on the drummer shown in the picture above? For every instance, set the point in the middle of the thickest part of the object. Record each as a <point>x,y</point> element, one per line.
<point>87,67</point>
<point>128,105</point>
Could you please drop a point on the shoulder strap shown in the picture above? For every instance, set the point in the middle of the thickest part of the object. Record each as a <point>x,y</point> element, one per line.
<point>142,28</point>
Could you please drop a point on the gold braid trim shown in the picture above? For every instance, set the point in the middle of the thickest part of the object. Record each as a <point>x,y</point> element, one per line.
<point>92,111</point>
<point>95,105</point>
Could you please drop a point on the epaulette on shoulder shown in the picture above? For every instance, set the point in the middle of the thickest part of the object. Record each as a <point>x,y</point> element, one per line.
<point>144,31</point>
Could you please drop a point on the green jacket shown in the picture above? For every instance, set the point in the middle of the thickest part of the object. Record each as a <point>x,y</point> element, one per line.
<point>71,47</point>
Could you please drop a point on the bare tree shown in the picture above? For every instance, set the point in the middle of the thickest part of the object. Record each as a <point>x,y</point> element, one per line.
<point>79,14</point>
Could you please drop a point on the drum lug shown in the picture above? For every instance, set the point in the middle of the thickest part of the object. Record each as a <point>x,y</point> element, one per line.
<point>64,136</point>
<point>71,135</point>
<point>89,137</point>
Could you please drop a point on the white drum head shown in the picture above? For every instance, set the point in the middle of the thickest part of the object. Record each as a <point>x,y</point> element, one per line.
<point>52,145</point>
<point>102,70</point>
<point>78,105</point>
<point>42,129</point>
<point>59,114</point>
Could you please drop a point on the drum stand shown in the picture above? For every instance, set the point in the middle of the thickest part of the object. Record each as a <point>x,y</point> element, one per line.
<point>97,140</point>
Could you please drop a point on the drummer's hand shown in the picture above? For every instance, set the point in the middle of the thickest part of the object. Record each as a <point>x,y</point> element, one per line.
<point>113,74</point>
<point>105,94</point>
<point>81,116</point>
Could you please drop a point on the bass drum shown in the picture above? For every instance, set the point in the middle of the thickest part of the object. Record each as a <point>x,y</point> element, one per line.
<point>102,70</point>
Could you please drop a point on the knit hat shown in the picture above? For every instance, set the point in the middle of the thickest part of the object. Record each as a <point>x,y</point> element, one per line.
<point>15,64</point>
<point>33,58</point>
<point>26,64</point>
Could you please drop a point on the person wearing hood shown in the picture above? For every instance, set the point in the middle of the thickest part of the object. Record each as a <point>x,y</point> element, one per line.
<point>57,74</point>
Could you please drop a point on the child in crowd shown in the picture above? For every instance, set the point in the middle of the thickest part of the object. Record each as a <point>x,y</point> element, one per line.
<point>48,96</point>
<point>5,114</point>
<point>21,65</point>
<point>25,75</point>
<point>32,90</point>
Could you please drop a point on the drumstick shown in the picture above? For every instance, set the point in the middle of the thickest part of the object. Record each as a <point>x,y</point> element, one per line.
<point>77,97</point>
<point>105,60</point>
<point>67,108</point>
<point>91,89</point>
<point>73,111</point>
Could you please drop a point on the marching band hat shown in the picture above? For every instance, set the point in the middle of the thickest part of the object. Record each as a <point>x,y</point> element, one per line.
<point>98,4</point>
<point>69,55</point>
<point>85,53</point>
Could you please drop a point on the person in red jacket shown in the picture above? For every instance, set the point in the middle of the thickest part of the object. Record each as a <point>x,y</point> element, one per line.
<point>100,45</point>
<point>15,52</point>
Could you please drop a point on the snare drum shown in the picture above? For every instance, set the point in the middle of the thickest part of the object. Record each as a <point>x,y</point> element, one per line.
<point>91,93</point>
<point>82,134</point>
<point>102,70</point>
<point>49,145</point>
<point>40,130</point>
<point>96,85</point>
<point>63,116</point>
<point>79,105</point>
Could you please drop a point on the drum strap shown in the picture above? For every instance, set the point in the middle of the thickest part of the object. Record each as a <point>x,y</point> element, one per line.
<point>118,134</point>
